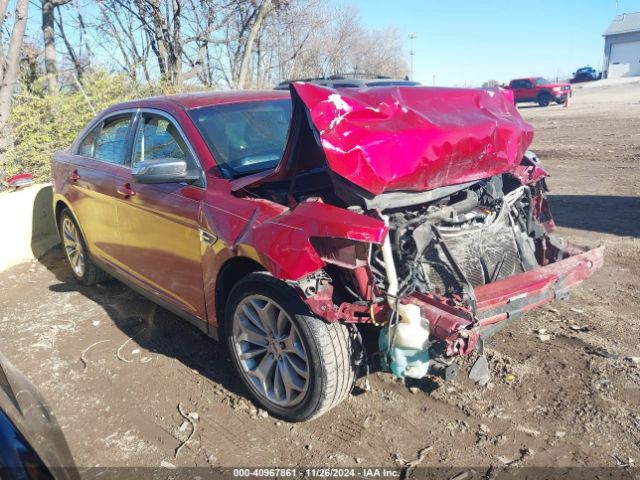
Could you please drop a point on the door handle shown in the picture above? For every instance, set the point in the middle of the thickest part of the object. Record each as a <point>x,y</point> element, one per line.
<point>126,191</point>
<point>75,176</point>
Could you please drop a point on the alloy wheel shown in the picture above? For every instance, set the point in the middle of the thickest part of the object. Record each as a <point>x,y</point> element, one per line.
<point>270,351</point>
<point>73,246</point>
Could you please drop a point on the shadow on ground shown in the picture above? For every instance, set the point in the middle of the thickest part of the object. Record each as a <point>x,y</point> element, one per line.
<point>535,105</point>
<point>150,326</point>
<point>598,213</point>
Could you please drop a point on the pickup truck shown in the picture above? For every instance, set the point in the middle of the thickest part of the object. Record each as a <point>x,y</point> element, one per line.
<point>539,90</point>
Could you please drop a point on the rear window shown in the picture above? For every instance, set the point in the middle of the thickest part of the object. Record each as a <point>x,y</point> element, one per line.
<point>247,137</point>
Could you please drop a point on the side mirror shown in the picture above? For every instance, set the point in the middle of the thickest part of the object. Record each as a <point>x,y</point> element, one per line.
<point>164,170</point>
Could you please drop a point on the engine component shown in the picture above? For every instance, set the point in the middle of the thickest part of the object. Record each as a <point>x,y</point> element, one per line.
<point>401,358</point>
<point>471,238</point>
<point>405,344</point>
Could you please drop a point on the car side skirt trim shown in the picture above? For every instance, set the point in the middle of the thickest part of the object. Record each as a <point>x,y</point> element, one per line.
<point>200,324</point>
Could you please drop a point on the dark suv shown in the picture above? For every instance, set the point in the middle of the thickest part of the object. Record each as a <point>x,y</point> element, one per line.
<point>586,74</point>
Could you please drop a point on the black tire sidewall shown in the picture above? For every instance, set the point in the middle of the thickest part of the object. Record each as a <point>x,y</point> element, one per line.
<point>544,99</point>
<point>287,298</point>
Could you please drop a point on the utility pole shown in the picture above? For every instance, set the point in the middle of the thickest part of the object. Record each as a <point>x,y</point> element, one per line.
<point>412,52</point>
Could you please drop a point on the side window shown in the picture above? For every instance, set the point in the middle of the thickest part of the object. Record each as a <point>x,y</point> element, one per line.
<point>526,84</point>
<point>111,142</point>
<point>108,141</point>
<point>158,138</point>
<point>87,145</point>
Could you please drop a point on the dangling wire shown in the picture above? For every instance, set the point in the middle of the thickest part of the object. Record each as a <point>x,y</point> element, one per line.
<point>372,315</point>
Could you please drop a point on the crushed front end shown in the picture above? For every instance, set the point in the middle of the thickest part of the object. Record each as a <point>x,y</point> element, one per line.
<point>450,271</point>
<point>464,239</point>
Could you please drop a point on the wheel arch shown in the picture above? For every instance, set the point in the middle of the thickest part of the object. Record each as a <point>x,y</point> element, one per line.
<point>59,205</point>
<point>230,273</point>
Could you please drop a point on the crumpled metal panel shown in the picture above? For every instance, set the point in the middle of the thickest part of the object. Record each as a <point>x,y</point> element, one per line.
<point>415,138</point>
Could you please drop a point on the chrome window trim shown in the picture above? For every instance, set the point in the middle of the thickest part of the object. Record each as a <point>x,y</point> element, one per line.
<point>171,118</point>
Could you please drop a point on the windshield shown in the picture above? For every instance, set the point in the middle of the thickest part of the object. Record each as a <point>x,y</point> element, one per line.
<point>542,81</point>
<point>246,137</point>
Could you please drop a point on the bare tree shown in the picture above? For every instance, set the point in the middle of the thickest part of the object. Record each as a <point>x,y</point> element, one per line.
<point>71,51</point>
<point>245,23</point>
<point>122,26</point>
<point>3,13</point>
<point>49,35</point>
<point>3,10</point>
<point>199,30</point>
<point>343,45</point>
<point>79,51</point>
<point>160,20</point>
<point>12,64</point>
<point>223,43</point>
<point>254,30</point>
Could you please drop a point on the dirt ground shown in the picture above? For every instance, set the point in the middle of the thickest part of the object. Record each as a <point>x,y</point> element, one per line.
<point>571,400</point>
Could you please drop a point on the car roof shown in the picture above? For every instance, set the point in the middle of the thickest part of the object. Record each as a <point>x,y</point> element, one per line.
<point>190,101</point>
<point>350,82</point>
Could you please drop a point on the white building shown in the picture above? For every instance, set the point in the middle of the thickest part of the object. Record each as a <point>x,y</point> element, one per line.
<point>622,47</point>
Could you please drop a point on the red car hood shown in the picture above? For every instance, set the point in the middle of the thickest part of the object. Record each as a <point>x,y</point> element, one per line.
<point>403,138</point>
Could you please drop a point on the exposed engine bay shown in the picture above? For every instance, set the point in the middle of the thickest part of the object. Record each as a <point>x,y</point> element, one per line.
<point>439,252</point>
<point>471,238</point>
<point>463,243</point>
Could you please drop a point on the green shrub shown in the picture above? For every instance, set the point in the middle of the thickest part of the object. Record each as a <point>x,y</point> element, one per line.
<point>42,125</point>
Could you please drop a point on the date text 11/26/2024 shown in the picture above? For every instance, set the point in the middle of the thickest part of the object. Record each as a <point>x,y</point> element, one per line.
<point>316,472</point>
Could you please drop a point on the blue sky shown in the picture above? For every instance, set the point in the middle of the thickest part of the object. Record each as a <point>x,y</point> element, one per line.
<point>469,42</point>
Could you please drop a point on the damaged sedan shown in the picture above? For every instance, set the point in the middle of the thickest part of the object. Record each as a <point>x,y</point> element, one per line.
<point>291,225</point>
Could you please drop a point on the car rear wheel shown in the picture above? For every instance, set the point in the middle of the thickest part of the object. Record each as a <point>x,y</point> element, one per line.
<point>544,99</point>
<point>295,365</point>
<point>76,251</point>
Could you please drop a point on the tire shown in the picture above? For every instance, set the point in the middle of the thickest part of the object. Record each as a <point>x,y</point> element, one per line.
<point>260,306</point>
<point>560,101</point>
<point>544,99</point>
<point>75,248</point>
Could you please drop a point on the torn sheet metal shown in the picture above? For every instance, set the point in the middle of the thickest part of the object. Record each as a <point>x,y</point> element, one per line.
<point>412,138</point>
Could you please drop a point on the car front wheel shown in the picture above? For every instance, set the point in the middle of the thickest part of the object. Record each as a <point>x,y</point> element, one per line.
<point>295,365</point>
<point>76,251</point>
<point>544,99</point>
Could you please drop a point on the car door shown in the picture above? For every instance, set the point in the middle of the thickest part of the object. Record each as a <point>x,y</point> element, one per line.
<point>159,224</point>
<point>98,164</point>
<point>528,89</point>
<point>521,89</point>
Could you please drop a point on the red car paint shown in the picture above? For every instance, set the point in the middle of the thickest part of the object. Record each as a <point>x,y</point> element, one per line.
<point>505,299</point>
<point>381,140</point>
<point>415,139</point>
<point>20,180</point>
